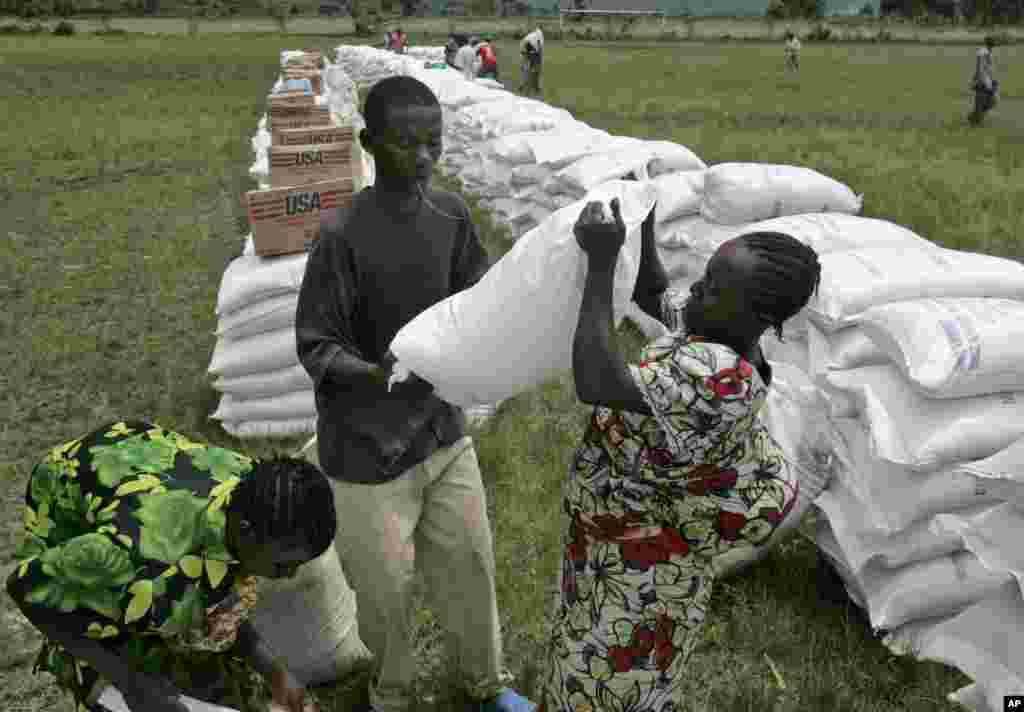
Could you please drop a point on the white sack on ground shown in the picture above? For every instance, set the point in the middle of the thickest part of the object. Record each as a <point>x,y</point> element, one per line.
<point>259,317</point>
<point>297,404</point>
<point>267,384</point>
<point>270,351</point>
<point>862,543</point>
<point>251,279</point>
<point>952,348</point>
<point>747,192</point>
<point>985,641</point>
<point>925,589</point>
<point>475,349</point>
<point>928,434</point>
<point>310,621</point>
<point>896,497</point>
<point>287,428</point>
<point>854,281</point>
<point>994,537</point>
<point>678,194</point>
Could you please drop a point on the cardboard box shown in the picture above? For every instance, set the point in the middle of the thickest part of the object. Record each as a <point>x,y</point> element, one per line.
<point>313,136</point>
<point>285,221</point>
<point>313,75</point>
<point>300,117</point>
<point>312,58</point>
<point>290,101</point>
<point>299,165</point>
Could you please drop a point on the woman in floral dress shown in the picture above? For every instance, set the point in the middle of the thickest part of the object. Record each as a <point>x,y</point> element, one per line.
<point>675,467</point>
<point>143,555</point>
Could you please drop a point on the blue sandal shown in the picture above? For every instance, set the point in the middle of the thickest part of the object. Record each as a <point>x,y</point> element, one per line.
<point>508,700</point>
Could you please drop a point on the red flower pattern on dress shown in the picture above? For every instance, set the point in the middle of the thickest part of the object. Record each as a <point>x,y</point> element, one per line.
<point>644,553</point>
<point>730,524</point>
<point>659,457</point>
<point>727,382</point>
<point>707,478</point>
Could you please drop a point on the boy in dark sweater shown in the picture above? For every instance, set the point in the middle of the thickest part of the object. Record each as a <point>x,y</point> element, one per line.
<point>406,481</point>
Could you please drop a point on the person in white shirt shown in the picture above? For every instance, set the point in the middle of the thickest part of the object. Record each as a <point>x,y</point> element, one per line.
<point>792,52</point>
<point>532,49</point>
<point>986,88</point>
<point>466,58</point>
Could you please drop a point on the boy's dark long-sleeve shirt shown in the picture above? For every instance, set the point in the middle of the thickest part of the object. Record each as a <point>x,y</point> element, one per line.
<point>371,272</point>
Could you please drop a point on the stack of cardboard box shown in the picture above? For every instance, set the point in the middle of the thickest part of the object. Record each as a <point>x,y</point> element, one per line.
<point>315,165</point>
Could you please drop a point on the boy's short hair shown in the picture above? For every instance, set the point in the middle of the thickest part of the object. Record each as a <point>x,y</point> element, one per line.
<point>391,93</point>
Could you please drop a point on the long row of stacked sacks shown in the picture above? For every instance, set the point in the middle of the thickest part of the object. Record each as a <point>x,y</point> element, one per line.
<point>925,485</point>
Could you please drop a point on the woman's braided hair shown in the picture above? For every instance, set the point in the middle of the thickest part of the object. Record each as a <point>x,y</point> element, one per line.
<point>786,275</point>
<point>286,497</point>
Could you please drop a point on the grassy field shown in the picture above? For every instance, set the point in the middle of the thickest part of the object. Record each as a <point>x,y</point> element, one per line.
<point>120,191</point>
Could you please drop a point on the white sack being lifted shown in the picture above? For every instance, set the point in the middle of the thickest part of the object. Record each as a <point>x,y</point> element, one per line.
<point>746,192</point>
<point>514,329</point>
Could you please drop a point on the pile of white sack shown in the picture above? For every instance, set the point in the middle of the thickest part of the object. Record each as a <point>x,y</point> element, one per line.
<point>915,355</point>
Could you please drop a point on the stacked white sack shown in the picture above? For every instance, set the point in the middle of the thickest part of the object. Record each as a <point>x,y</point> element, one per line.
<point>266,390</point>
<point>921,351</point>
<point>913,546</point>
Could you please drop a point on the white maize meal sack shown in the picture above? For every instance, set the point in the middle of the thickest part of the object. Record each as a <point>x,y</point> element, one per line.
<point>267,384</point>
<point>259,317</point>
<point>933,588</point>
<point>251,279</point>
<point>671,157</point>
<point>297,404</point>
<point>952,348</point>
<point>678,194</point>
<point>854,281</point>
<point>985,641</point>
<point>475,348</point>
<point>269,351</point>
<point>529,175</point>
<point>310,621</point>
<point>792,350</point>
<point>747,192</point>
<point>863,543</point>
<point>994,536</point>
<point>896,497</point>
<point>928,434</point>
<point>287,428</point>
<point>593,170</point>
<point>841,350</point>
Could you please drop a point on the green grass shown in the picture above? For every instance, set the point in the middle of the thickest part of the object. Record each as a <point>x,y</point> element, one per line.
<point>121,188</point>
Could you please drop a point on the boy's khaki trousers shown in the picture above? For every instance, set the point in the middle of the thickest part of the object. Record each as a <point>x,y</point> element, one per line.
<point>433,517</point>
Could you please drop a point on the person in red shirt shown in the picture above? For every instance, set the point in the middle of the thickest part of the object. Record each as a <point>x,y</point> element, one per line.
<point>399,41</point>
<point>488,61</point>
